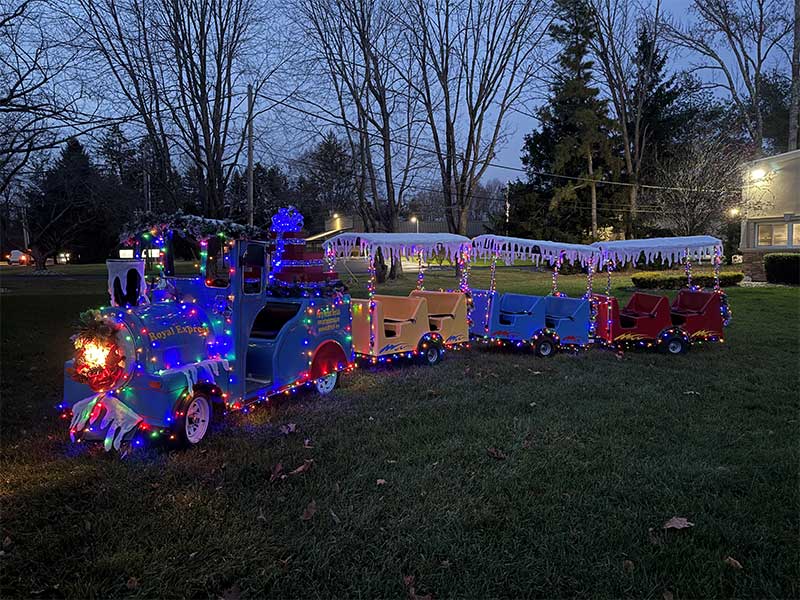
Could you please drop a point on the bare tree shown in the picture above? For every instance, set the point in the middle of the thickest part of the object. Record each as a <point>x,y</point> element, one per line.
<point>794,102</point>
<point>38,97</point>
<point>474,58</point>
<point>616,25</point>
<point>183,66</point>
<point>366,59</point>
<point>703,185</point>
<point>735,39</point>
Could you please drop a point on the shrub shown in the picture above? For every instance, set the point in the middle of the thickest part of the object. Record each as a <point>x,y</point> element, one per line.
<point>782,267</point>
<point>674,280</point>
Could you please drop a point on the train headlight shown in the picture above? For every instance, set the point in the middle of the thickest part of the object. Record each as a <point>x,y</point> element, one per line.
<point>99,362</point>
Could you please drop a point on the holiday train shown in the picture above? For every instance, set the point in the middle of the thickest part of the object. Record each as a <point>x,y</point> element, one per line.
<point>268,316</point>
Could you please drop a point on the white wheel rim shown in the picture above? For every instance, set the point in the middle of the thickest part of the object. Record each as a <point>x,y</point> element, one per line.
<point>675,346</point>
<point>545,348</point>
<point>326,384</point>
<point>197,419</point>
<point>432,354</point>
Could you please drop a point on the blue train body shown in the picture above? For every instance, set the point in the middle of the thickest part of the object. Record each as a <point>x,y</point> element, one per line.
<point>518,318</point>
<point>228,341</point>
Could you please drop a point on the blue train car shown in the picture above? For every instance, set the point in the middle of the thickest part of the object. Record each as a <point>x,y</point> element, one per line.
<point>263,318</point>
<point>547,323</point>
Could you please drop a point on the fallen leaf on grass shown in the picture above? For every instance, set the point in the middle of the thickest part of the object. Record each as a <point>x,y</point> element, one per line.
<point>132,584</point>
<point>654,538</point>
<point>7,542</point>
<point>732,562</point>
<point>667,595</point>
<point>335,517</point>
<point>391,462</point>
<point>288,428</point>
<point>628,566</point>
<point>307,443</point>
<point>677,523</point>
<point>495,453</point>
<point>408,582</point>
<point>691,393</point>
<point>232,593</point>
<point>277,473</point>
<point>261,516</point>
<point>304,467</point>
<point>380,482</point>
<point>310,511</point>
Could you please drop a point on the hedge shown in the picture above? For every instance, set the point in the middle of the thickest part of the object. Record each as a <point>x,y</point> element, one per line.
<point>782,267</point>
<point>673,281</point>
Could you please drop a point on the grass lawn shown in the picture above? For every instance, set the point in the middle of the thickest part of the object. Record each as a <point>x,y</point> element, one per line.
<point>600,452</point>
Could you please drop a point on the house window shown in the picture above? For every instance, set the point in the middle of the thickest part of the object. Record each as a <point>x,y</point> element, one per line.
<point>773,234</point>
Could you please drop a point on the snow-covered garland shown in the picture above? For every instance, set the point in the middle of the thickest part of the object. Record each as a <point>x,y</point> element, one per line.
<point>192,225</point>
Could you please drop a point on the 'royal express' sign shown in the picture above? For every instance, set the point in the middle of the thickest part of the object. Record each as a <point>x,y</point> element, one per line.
<point>177,329</point>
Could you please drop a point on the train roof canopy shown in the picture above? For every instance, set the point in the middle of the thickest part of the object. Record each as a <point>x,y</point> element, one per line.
<point>668,249</point>
<point>512,248</point>
<point>396,245</point>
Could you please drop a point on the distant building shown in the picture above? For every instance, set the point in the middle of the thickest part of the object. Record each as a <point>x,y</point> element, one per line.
<point>771,213</point>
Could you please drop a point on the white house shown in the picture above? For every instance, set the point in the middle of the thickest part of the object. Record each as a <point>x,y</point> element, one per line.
<point>771,210</point>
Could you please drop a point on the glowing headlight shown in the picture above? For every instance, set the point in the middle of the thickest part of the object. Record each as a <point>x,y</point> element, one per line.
<point>95,354</point>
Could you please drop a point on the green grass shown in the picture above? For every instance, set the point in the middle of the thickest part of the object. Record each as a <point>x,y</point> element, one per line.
<point>600,449</point>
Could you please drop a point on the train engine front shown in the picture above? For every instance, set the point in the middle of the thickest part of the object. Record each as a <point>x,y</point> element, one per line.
<point>137,369</point>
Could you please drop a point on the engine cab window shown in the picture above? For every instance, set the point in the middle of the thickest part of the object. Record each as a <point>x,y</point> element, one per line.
<point>217,268</point>
<point>252,266</point>
<point>272,318</point>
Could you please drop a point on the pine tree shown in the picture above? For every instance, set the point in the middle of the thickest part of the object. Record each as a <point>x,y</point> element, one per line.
<point>573,141</point>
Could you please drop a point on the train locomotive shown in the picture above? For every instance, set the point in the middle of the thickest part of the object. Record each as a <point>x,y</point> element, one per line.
<point>264,317</point>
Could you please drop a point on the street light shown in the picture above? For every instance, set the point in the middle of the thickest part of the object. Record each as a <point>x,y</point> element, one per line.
<point>415,221</point>
<point>734,212</point>
<point>757,174</point>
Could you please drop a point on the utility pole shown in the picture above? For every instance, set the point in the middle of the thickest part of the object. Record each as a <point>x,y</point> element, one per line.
<point>508,206</point>
<point>250,155</point>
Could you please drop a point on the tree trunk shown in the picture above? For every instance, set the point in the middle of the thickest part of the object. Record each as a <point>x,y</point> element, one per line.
<point>593,188</point>
<point>634,196</point>
<point>794,106</point>
<point>463,219</point>
<point>39,259</point>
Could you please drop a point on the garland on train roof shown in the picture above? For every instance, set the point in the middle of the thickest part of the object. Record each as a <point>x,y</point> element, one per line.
<point>191,225</point>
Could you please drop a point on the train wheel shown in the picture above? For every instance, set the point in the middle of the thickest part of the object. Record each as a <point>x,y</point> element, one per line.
<point>675,345</point>
<point>430,352</point>
<point>545,347</point>
<point>195,419</point>
<point>325,385</point>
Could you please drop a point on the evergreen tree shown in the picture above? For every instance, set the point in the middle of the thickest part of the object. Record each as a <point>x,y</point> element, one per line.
<point>329,169</point>
<point>573,141</point>
<point>70,207</point>
<point>271,190</point>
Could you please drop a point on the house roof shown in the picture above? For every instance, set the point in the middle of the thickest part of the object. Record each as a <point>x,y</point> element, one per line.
<point>777,158</point>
